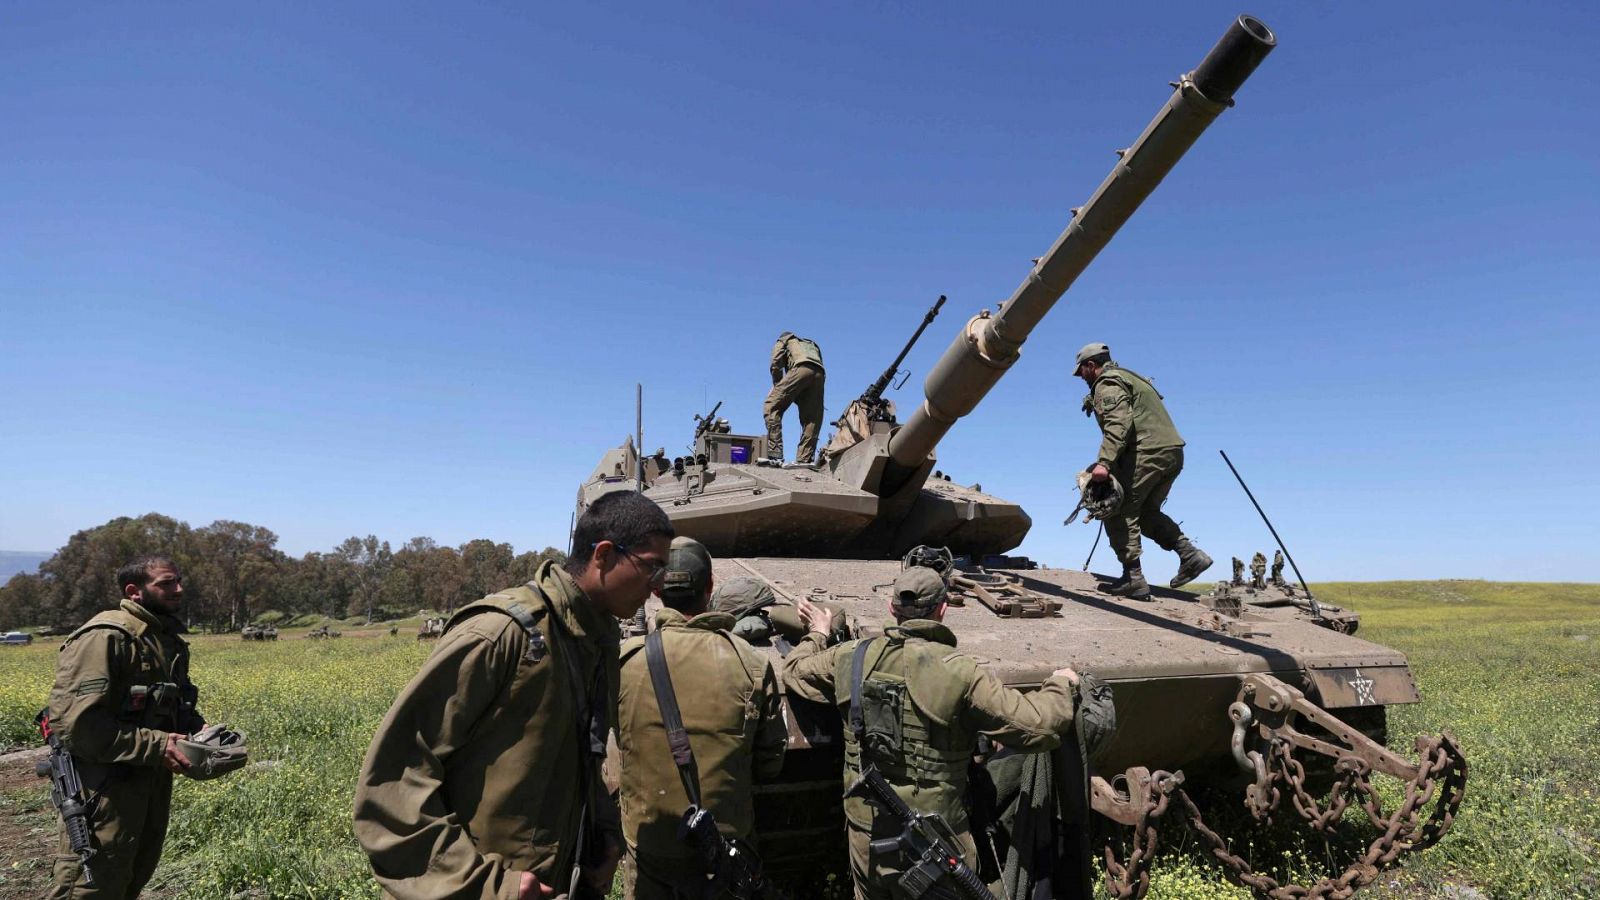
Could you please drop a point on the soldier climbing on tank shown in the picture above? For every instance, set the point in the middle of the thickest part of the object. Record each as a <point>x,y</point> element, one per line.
<point>914,708</point>
<point>1238,572</point>
<point>797,378</point>
<point>1142,448</point>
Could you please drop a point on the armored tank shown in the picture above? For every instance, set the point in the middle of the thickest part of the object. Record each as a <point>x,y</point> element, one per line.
<point>1258,689</point>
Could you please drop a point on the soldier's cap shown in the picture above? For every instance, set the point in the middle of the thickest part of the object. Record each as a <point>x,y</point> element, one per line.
<point>688,570</point>
<point>1090,351</point>
<point>212,752</point>
<point>919,588</point>
<point>785,334</point>
<point>735,596</point>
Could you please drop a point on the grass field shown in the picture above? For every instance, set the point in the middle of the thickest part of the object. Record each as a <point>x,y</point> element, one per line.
<point>1512,669</point>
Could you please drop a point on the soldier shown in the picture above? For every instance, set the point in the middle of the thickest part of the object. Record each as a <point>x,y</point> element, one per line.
<point>922,708</point>
<point>797,377</point>
<point>483,781</point>
<point>728,699</point>
<point>1277,569</point>
<point>1258,571</point>
<point>1238,571</point>
<point>121,702</point>
<point>1142,448</point>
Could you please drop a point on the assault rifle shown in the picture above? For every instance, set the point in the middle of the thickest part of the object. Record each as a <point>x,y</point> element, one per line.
<point>731,866</point>
<point>925,841</point>
<point>66,793</point>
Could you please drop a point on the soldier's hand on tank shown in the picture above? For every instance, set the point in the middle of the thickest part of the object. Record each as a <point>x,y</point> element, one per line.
<point>1099,473</point>
<point>172,759</point>
<point>1067,673</point>
<point>532,888</point>
<point>817,618</point>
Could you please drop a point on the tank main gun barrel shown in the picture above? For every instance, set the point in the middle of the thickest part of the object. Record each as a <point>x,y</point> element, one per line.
<point>988,345</point>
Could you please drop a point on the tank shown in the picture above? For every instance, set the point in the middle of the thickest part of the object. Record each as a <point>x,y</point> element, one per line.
<point>1255,688</point>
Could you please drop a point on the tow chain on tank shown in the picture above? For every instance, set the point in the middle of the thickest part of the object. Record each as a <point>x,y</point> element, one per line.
<point>1266,710</point>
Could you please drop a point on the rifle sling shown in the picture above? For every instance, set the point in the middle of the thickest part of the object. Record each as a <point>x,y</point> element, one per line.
<point>655,656</point>
<point>858,725</point>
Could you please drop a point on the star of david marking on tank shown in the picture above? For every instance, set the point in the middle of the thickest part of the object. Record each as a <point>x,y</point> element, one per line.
<point>1363,687</point>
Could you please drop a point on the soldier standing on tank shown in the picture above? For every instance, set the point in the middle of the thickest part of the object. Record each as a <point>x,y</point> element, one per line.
<point>727,694</point>
<point>1142,448</point>
<point>923,706</point>
<point>797,377</point>
<point>484,781</point>
<point>121,701</point>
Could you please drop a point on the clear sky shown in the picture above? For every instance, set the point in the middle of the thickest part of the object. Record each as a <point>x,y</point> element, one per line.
<point>396,268</point>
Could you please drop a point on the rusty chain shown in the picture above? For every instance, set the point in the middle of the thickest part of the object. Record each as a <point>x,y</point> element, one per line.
<point>1439,780</point>
<point>1132,879</point>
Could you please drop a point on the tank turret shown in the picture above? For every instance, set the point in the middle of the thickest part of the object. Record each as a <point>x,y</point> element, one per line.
<point>875,496</point>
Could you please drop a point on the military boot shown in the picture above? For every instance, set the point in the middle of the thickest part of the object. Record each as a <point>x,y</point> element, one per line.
<point>1191,562</point>
<point>1135,587</point>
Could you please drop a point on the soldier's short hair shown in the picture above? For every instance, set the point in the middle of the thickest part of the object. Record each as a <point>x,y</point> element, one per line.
<point>621,517</point>
<point>137,571</point>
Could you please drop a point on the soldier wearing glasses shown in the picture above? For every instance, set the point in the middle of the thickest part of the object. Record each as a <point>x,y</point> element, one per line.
<point>484,779</point>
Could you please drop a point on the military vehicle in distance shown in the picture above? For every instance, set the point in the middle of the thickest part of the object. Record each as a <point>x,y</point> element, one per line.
<point>253,632</point>
<point>1265,689</point>
<point>322,633</point>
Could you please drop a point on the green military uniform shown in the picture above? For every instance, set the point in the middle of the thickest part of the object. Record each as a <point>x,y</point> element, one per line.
<point>1143,450</point>
<point>122,686</point>
<point>728,697</point>
<point>797,377</point>
<point>487,760</point>
<point>924,706</point>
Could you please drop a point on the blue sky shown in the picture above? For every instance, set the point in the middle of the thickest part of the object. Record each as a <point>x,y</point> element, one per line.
<point>396,268</point>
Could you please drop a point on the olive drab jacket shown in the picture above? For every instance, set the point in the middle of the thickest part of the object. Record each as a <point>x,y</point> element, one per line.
<point>924,705</point>
<point>728,697</point>
<point>790,351</point>
<point>1131,415</point>
<point>122,685</point>
<point>486,761</point>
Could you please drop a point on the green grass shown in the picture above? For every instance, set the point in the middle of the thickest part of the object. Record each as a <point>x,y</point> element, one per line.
<point>1513,670</point>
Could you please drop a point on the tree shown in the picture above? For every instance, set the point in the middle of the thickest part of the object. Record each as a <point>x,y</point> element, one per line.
<point>23,601</point>
<point>372,559</point>
<point>241,568</point>
<point>488,567</point>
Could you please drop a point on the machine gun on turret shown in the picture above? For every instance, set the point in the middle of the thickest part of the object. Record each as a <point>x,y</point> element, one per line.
<point>878,409</point>
<point>870,407</point>
<point>709,423</point>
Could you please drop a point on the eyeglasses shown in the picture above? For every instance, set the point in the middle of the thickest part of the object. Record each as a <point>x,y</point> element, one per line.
<point>656,568</point>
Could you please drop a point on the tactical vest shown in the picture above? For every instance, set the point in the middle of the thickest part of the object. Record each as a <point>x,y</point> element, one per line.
<point>803,350</point>
<point>907,724</point>
<point>160,694</point>
<point>1152,426</point>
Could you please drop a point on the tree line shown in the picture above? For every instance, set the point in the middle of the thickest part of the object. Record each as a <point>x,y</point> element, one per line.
<point>233,572</point>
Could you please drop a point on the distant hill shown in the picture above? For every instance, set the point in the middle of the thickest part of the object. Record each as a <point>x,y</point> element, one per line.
<point>14,561</point>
